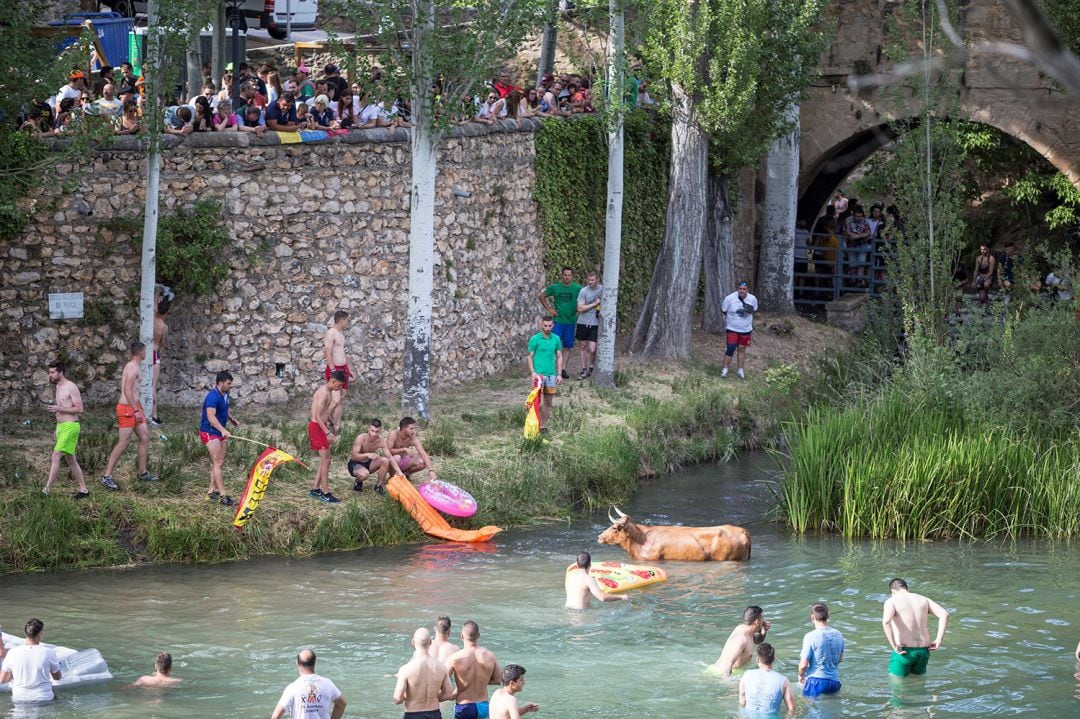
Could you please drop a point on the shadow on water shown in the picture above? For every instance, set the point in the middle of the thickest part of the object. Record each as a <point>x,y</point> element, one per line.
<point>234,629</point>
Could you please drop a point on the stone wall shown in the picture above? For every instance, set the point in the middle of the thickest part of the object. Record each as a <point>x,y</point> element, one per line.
<point>315,228</point>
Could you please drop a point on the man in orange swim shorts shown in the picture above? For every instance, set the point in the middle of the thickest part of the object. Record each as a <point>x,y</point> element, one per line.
<point>131,419</point>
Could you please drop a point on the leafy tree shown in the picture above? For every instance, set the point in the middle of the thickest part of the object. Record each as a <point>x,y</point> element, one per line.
<point>733,67</point>
<point>435,54</point>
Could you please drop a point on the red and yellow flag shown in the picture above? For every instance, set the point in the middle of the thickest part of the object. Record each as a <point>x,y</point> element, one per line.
<point>532,410</point>
<point>258,481</point>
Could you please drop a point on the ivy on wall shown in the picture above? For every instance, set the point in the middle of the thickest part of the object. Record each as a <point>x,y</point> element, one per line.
<point>571,191</point>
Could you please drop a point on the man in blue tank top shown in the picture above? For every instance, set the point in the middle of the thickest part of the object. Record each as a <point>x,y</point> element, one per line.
<point>762,690</point>
<point>822,652</point>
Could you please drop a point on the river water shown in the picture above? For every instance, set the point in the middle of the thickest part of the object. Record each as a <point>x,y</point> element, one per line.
<point>234,629</point>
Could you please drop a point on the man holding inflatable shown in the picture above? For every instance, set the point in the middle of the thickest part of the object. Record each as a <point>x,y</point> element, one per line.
<point>213,433</point>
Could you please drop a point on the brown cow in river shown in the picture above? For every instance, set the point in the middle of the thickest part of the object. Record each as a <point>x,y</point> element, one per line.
<point>689,544</point>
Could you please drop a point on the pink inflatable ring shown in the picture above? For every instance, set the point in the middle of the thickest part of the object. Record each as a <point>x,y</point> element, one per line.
<point>448,498</point>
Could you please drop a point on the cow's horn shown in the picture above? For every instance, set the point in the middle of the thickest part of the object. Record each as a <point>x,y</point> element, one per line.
<point>610,518</point>
<point>619,512</point>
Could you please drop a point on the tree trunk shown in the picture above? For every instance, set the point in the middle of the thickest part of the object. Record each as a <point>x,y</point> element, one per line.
<point>217,61</point>
<point>719,252</point>
<point>151,70</point>
<point>605,348</point>
<point>664,326</point>
<point>547,43</point>
<point>777,259</point>
<point>416,390</point>
<point>194,61</point>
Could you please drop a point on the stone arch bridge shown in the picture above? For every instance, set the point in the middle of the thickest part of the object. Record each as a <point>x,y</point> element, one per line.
<point>840,129</point>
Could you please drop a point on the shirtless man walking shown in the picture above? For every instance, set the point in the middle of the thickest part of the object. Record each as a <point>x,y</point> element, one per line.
<point>423,682</point>
<point>905,624</point>
<point>322,433</point>
<point>67,406</point>
<point>334,353</point>
<point>365,460</point>
<point>441,646</point>
<point>504,702</point>
<point>407,449</point>
<point>161,330</point>
<point>131,418</point>
<point>581,586</point>
<point>740,644</point>
<point>473,667</point>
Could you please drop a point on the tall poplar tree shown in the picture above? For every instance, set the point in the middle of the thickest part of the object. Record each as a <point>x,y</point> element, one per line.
<point>433,53</point>
<point>733,67</point>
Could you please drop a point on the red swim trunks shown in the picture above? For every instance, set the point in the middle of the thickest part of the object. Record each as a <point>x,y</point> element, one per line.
<point>344,368</point>
<point>125,415</point>
<point>206,437</point>
<point>742,339</point>
<point>316,437</point>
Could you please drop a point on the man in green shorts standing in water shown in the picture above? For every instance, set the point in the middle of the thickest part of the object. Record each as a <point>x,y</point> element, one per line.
<point>66,407</point>
<point>905,624</point>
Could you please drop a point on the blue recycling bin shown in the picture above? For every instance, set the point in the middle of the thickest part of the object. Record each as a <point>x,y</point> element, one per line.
<point>112,30</point>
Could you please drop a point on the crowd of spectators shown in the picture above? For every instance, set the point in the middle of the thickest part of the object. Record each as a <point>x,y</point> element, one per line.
<point>847,248</point>
<point>291,100</point>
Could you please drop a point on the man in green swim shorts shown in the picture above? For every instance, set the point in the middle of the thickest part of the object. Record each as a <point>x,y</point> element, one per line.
<point>67,406</point>
<point>905,624</point>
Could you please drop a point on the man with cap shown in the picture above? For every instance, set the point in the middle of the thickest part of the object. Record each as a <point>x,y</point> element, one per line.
<point>738,308</point>
<point>74,88</point>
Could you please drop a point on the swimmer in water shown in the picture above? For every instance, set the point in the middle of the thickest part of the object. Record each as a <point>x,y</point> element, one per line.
<point>162,676</point>
<point>581,586</point>
<point>739,646</point>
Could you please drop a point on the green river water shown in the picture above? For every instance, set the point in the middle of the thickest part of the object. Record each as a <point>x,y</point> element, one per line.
<point>234,629</point>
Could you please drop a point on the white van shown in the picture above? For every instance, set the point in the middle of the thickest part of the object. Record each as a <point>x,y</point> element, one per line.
<point>272,15</point>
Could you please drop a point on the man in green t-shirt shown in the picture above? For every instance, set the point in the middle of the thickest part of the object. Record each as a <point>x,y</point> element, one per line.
<point>546,364</point>
<point>564,309</point>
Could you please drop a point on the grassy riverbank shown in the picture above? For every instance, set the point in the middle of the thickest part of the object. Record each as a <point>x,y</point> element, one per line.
<point>974,440</point>
<point>664,416</point>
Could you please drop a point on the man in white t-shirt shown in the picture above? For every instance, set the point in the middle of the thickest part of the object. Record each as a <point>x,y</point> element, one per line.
<point>738,308</point>
<point>310,696</point>
<point>29,667</point>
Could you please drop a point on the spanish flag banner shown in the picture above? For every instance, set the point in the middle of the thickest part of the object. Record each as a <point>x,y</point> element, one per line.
<point>532,410</point>
<point>258,481</point>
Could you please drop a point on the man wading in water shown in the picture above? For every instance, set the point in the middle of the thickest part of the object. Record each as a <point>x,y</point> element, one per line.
<point>904,622</point>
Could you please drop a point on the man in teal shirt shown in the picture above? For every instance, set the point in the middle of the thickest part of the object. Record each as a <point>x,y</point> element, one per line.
<point>546,364</point>
<point>564,310</point>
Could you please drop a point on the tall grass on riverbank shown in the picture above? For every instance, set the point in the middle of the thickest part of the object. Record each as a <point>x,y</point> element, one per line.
<point>898,466</point>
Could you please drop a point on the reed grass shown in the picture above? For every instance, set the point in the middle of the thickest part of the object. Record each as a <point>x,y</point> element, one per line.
<point>916,467</point>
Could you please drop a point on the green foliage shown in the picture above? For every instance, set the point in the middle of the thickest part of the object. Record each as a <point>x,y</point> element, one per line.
<point>190,247</point>
<point>571,191</point>
<point>22,158</point>
<point>977,439</point>
<point>1066,21</point>
<point>742,61</point>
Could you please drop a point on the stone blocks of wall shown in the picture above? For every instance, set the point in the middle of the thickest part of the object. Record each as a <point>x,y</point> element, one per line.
<point>315,228</point>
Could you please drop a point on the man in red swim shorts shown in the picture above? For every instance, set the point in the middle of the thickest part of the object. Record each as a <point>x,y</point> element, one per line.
<point>334,351</point>
<point>322,433</point>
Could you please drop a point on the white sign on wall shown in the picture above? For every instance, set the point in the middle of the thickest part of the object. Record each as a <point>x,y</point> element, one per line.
<point>65,305</point>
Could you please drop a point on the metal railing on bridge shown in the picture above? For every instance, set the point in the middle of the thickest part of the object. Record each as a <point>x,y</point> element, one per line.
<point>833,270</point>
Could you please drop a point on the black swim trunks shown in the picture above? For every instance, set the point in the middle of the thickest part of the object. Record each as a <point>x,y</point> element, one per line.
<point>353,464</point>
<point>431,714</point>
